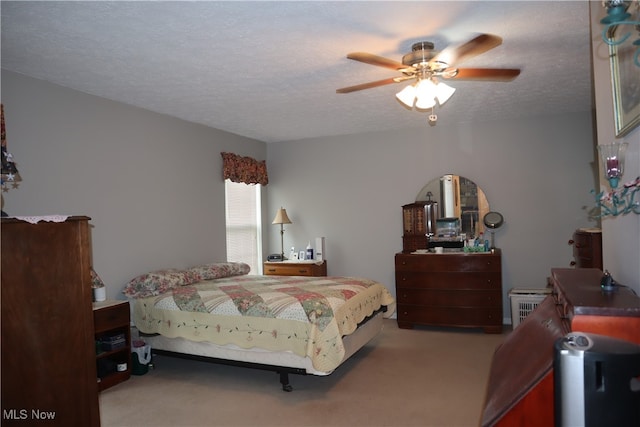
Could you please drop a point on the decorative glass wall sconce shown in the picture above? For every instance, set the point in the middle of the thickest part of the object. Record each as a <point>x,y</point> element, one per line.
<point>612,156</point>
<point>622,13</point>
<point>618,201</point>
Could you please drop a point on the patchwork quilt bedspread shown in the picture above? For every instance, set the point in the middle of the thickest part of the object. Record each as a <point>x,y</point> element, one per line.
<point>305,315</point>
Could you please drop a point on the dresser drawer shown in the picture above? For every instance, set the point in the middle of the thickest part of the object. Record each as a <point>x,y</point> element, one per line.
<point>457,262</point>
<point>294,269</point>
<point>111,317</point>
<point>447,298</point>
<point>443,280</point>
<point>450,316</point>
<point>562,305</point>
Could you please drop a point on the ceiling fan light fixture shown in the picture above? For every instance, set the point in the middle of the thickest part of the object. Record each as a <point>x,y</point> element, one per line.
<point>407,96</point>
<point>425,103</point>
<point>426,92</point>
<point>444,92</point>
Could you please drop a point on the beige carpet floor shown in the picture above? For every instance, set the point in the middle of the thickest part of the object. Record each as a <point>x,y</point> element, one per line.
<point>422,377</point>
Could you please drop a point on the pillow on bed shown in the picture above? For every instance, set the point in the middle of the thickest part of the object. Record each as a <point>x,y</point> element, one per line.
<point>159,282</point>
<point>219,270</point>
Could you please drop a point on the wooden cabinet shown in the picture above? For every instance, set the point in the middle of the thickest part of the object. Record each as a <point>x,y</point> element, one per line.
<point>587,248</point>
<point>48,349</point>
<point>295,268</point>
<point>113,342</point>
<point>520,390</point>
<point>450,289</point>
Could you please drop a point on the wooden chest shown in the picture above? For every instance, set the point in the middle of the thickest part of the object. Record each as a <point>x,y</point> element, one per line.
<point>587,248</point>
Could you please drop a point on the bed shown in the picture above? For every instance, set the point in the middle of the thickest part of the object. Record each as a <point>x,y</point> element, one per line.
<point>289,324</point>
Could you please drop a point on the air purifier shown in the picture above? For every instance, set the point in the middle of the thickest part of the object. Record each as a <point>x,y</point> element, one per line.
<point>596,381</point>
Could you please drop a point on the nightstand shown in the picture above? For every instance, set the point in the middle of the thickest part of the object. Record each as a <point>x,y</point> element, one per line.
<point>293,268</point>
<point>111,324</point>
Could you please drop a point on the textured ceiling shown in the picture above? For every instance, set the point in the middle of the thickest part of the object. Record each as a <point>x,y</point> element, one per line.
<point>269,70</point>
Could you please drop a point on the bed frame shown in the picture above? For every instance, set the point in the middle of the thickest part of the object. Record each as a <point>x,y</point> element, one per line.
<point>283,363</point>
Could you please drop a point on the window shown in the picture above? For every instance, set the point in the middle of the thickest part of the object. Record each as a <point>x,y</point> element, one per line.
<point>243,223</point>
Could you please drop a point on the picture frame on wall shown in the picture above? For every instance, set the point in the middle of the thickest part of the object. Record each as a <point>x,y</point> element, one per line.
<point>625,76</point>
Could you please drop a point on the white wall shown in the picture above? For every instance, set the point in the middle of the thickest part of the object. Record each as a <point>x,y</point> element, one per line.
<point>620,235</point>
<point>537,172</point>
<point>152,184</point>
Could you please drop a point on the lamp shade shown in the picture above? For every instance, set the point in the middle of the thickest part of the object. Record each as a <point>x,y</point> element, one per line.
<point>425,102</point>
<point>443,92</point>
<point>407,96</point>
<point>425,94</point>
<point>281,217</point>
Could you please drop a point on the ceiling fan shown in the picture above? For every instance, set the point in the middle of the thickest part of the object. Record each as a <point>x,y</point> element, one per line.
<point>424,64</point>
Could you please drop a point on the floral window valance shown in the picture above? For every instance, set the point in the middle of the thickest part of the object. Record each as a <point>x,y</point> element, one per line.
<point>244,169</point>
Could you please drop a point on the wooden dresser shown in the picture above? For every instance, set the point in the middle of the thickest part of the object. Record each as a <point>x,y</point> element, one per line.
<point>287,268</point>
<point>520,390</point>
<point>587,248</point>
<point>48,348</point>
<point>450,289</point>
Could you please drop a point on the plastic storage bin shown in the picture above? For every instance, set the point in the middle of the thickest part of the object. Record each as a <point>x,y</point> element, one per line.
<point>524,301</point>
<point>140,357</point>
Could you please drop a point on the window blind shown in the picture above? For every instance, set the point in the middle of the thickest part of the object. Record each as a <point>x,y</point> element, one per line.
<point>243,230</point>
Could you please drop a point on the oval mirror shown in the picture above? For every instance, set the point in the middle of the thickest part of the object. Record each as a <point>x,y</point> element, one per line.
<point>458,197</point>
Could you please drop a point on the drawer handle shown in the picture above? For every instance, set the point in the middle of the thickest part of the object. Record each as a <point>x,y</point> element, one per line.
<point>271,270</point>
<point>302,271</point>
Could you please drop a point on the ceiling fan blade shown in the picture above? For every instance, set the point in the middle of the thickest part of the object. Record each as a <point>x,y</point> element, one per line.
<point>367,85</point>
<point>456,54</point>
<point>489,74</point>
<point>371,59</point>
